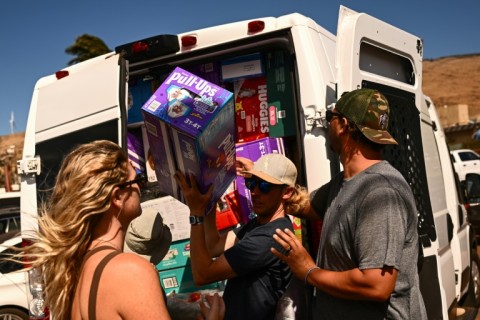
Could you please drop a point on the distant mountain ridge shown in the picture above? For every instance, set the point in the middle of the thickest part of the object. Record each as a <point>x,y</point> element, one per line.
<point>454,80</point>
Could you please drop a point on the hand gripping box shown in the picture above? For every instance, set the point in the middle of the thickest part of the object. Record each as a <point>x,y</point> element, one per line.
<point>190,127</point>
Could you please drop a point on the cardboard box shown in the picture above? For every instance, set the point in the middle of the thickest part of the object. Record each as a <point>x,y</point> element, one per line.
<point>280,95</point>
<point>136,153</point>
<point>149,162</point>
<point>178,255</point>
<point>180,280</point>
<point>251,109</point>
<point>242,67</point>
<point>139,92</point>
<point>161,152</point>
<point>210,71</point>
<point>253,150</point>
<point>190,127</point>
<point>228,211</point>
<point>175,215</point>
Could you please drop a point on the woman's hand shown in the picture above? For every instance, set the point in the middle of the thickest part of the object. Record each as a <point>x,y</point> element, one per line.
<point>196,201</point>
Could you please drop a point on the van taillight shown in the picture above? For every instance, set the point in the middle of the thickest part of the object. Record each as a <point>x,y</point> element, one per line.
<point>61,74</point>
<point>139,47</point>
<point>188,41</point>
<point>149,48</point>
<point>256,26</point>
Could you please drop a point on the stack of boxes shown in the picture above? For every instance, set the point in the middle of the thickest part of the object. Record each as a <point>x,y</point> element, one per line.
<point>193,124</point>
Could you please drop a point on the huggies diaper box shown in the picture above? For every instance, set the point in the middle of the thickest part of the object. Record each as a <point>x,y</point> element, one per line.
<point>190,127</point>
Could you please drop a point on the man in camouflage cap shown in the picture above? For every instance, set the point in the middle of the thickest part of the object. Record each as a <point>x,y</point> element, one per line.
<point>366,266</point>
<point>369,111</point>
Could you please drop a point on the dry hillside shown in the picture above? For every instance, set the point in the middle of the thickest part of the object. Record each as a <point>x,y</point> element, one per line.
<point>454,80</point>
<point>6,143</point>
<point>448,81</point>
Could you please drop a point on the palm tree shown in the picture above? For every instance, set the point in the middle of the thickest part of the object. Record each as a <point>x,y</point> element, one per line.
<point>86,47</point>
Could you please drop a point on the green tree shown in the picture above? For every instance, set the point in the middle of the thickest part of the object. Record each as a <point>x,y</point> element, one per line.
<point>86,47</point>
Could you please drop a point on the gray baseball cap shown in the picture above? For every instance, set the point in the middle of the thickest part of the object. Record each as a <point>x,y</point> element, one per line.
<point>148,236</point>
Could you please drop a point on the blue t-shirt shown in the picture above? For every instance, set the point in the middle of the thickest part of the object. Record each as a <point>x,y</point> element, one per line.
<point>262,277</point>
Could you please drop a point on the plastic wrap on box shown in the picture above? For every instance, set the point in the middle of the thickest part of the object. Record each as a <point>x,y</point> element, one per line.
<point>190,127</point>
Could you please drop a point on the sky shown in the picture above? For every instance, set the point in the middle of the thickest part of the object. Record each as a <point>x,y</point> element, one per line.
<point>35,33</point>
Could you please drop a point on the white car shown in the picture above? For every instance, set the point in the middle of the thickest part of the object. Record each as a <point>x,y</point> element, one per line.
<point>465,161</point>
<point>13,288</point>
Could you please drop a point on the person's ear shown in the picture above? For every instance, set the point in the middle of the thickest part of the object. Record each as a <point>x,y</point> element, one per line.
<point>117,197</point>
<point>287,193</point>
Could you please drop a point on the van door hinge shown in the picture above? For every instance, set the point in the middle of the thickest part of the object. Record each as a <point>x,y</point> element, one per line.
<point>31,165</point>
<point>316,119</point>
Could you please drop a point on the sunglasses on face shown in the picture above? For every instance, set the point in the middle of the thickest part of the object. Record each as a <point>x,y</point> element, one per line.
<point>140,180</point>
<point>263,186</point>
<point>330,114</point>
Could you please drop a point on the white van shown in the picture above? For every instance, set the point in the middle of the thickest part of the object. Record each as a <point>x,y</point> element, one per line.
<point>465,161</point>
<point>309,68</point>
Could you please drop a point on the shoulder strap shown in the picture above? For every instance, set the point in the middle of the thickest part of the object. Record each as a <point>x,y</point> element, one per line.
<point>92,298</point>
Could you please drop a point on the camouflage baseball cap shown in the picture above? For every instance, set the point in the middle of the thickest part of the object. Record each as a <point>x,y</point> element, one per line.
<point>369,110</point>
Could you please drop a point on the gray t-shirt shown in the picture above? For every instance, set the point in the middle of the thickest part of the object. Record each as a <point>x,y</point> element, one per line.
<point>370,221</point>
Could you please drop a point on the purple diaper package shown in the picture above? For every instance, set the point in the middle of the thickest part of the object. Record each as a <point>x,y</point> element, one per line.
<point>190,126</point>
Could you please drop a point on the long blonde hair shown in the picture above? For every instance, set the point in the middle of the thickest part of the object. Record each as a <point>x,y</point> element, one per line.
<point>298,201</point>
<point>82,193</point>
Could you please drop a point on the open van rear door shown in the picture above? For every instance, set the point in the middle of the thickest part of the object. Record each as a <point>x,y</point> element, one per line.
<point>373,54</point>
<point>78,104</point>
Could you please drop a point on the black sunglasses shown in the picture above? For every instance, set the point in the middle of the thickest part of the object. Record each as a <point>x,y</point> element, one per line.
<point>140,179</point>
<point>330,114</point>
<point>263,185</point>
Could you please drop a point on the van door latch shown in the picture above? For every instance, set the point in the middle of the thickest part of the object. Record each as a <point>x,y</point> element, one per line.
<point>31,165</point>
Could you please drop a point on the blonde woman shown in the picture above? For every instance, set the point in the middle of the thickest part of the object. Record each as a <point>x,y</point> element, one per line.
<point>82,230</point>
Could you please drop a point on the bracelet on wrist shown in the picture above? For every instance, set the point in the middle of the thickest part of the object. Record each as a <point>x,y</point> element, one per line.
<point>308,273</point>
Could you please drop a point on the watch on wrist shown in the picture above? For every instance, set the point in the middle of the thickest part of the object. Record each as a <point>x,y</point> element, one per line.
<point>196,220</point>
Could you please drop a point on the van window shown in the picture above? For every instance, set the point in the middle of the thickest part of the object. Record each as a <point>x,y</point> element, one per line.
<point>386,64</point>
<point>53,151</point>
<point>468,156</point>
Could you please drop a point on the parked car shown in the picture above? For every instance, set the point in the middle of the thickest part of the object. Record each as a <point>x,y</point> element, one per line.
<point>9,215</point>
<point>13,288</point>
<point>465,161</point>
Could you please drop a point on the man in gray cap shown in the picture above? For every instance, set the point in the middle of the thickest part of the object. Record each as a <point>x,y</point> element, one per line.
<point>255,278</point>
<point>367,260</point>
